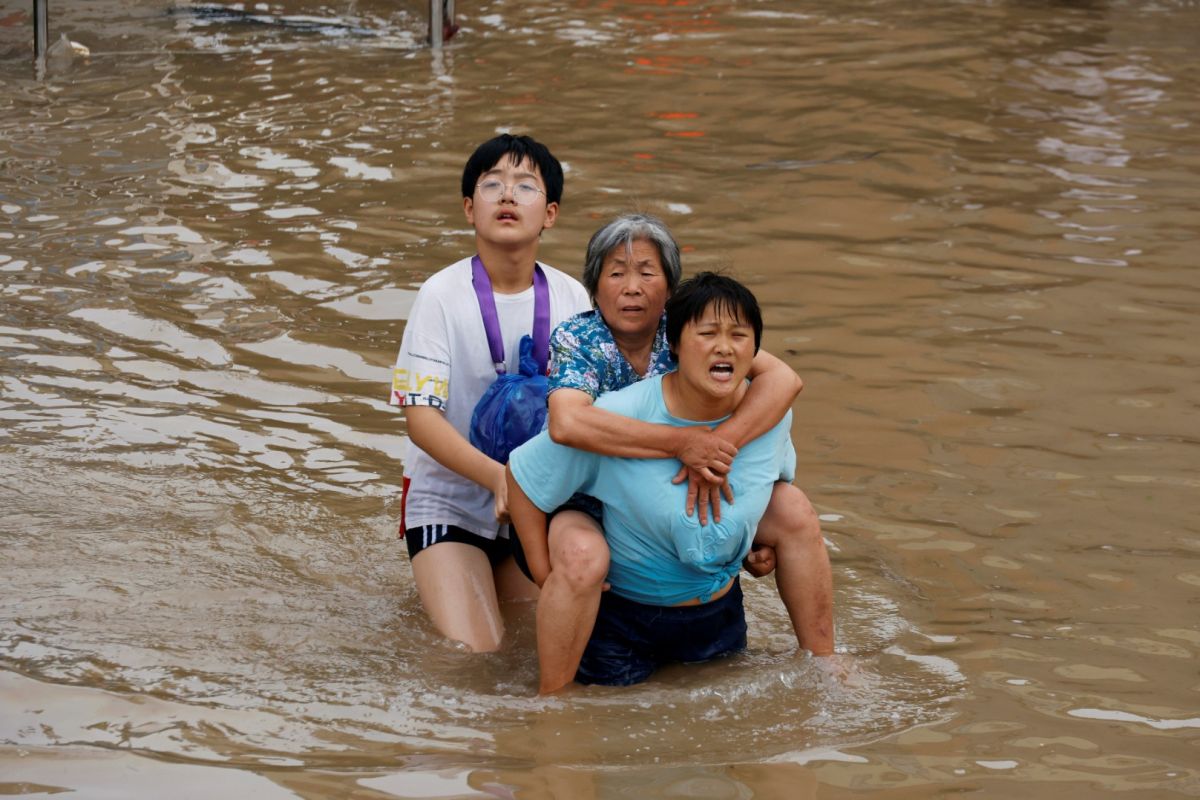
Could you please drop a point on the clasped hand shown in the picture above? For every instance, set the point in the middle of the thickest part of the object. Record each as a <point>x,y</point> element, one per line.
<point>707,459</point>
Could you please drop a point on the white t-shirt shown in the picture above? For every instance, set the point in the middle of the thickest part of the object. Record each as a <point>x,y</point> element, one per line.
<point>444,362</point>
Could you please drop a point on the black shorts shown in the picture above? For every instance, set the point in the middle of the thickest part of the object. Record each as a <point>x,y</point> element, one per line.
<point>631,640</point>
<point>577,502</point>
<point>418,539</point>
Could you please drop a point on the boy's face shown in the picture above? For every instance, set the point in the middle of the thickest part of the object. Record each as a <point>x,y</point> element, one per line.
<point>510,218</point>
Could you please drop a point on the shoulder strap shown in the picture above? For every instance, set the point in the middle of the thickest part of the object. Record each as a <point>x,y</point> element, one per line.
<point>491,321</point>
<point>541,319</point>
<point>487,308</point>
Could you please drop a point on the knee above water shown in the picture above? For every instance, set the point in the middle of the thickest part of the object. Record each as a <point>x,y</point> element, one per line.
<point>583,559</point>
<point>802,518</point>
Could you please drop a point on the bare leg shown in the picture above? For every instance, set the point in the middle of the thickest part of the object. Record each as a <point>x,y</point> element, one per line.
<point>803,574</point>
<point>570,596</point>
<point>512,585</point>
<point>459,593</point>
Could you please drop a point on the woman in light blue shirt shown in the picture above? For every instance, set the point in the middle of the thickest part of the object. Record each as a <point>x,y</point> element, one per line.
<point>674,592</point>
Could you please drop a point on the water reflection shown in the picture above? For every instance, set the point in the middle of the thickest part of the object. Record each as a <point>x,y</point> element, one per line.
<point>222,574</point>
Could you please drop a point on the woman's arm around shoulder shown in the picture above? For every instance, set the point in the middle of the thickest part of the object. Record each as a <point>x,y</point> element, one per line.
<point>575,421</point>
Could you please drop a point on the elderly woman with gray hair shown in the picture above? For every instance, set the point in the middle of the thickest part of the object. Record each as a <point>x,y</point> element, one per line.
<point>632,267</point>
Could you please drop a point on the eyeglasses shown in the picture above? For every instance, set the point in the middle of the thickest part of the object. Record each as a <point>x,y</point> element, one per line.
<point>492,190</point>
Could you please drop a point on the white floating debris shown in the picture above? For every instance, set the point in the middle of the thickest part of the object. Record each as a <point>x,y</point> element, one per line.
<point>62,51</point>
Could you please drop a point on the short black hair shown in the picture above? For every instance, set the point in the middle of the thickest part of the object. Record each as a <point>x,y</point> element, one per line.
<point>517,148</point>
<point>692,298</point>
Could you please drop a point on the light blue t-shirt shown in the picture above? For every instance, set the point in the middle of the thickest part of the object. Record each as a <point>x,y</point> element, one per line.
<point>659,555</point>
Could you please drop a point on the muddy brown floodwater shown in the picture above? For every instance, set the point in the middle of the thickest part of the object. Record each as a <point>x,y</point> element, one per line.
<point>973,227</point>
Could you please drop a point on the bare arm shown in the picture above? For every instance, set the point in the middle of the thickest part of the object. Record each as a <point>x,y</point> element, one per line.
<point>529,522</point>
<point>576,422</point>
<point>774,386</point>
<point>432,432</point>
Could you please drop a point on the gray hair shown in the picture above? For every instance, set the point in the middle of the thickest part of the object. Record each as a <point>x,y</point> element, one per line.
<point>623,232</point>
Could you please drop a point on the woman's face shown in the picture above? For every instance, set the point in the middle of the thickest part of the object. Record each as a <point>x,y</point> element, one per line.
<point>632,290</point>
<point>715,351</point>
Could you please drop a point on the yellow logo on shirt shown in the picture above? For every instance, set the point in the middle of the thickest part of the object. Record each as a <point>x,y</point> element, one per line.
<point>415,389</point>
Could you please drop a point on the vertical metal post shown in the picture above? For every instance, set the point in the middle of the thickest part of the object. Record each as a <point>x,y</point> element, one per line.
<point>436,24</point>
<point>41,29</point>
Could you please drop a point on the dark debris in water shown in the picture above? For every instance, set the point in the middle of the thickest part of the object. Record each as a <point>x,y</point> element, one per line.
<point>217,14</point>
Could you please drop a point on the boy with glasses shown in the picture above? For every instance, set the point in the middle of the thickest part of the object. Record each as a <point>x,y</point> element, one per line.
<point>455,509</point>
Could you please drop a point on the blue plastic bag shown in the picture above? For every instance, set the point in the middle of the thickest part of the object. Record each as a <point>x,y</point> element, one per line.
<point>512,410</point>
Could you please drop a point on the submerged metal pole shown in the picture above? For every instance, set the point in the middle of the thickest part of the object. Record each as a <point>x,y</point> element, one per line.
<point>41,29</point>
<point>436,24</point>
<point>441,22</point>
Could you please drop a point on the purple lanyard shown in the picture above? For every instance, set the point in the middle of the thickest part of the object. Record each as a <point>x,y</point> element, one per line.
<point>491,322</point>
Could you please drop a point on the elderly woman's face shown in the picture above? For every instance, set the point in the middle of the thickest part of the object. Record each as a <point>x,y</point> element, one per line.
<point>632,290</point>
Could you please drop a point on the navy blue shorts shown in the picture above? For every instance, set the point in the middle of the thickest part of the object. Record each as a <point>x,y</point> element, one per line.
<point>631,640</point>
<point>418,539</point>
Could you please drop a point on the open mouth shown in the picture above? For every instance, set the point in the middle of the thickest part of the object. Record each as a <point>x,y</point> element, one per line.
<point>722,370</point>
<point>507,216</point>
